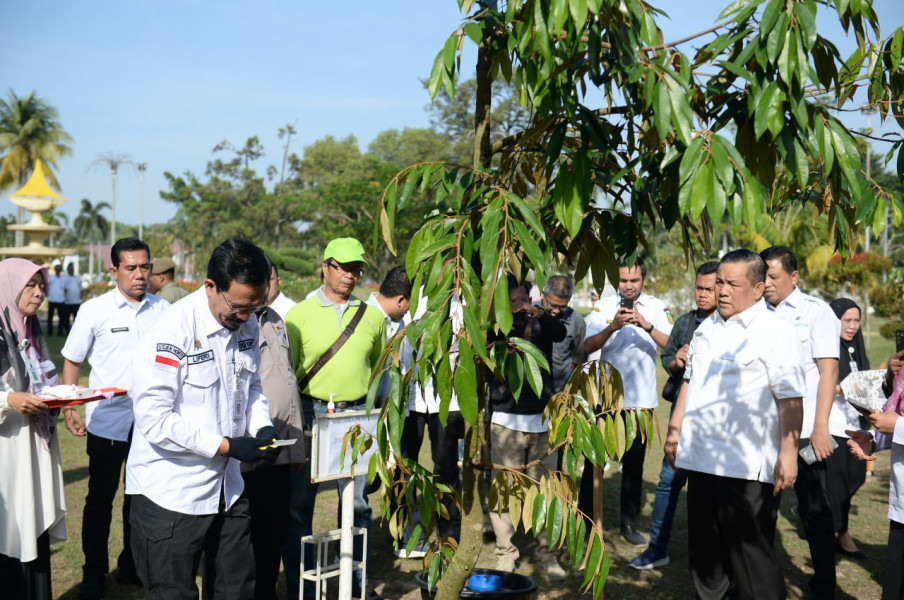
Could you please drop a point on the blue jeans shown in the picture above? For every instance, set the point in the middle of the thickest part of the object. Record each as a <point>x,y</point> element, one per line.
<point>670,483</point>
<point>301,512</point>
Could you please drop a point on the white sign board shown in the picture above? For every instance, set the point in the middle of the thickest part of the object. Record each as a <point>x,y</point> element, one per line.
<point>326,444</point>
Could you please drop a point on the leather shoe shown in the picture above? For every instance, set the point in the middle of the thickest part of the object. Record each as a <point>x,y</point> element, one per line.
<point>632,536</point>
<point>855,554</point>
<point>92,588</point>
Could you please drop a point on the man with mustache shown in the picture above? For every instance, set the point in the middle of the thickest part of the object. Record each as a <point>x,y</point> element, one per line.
<point>105,333</point>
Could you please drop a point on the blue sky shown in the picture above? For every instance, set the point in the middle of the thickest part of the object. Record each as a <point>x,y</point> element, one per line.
<point>164,81</point>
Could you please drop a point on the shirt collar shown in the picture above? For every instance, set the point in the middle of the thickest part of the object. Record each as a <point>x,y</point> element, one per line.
<point>324,301</point>
<point>746,317</point>
<point>120,299</point>
<point>203,317</point>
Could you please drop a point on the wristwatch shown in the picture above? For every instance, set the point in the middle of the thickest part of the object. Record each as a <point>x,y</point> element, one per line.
<point>650,330</point>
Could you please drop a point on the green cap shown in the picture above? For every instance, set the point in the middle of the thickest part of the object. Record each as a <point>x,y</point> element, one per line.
<point>344,250</point>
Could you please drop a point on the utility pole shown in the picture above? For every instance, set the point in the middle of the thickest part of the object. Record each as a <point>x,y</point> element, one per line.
<point>142,167</point>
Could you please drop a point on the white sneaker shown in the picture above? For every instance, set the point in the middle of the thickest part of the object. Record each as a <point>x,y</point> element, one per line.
<point>419,551</point>
<point>506,562</point>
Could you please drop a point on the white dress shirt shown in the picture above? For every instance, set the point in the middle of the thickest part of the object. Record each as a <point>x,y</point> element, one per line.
<point>282,304</point>
<point>105,333</point>
<point>426,400</point>
<point>737,372</point>
<point>895,441</point>
<point>819,330</point>
<point>196,382</point>
<point>631,350</point>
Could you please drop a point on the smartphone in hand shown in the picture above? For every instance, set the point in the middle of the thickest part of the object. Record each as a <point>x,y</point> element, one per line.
<point>899,340</point>
<point>627,303</point>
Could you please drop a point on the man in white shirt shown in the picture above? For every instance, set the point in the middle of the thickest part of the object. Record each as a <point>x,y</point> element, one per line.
<point>72,291</point>
<point>105,333</point>
<point>56,299</point>
<point>275,298</point>
<point>735,429</point>
<point>819,330</point>
<point>628,328</point>
<point>198,402</point>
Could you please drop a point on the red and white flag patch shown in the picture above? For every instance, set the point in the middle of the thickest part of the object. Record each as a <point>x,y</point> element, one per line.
<point>167,363</point>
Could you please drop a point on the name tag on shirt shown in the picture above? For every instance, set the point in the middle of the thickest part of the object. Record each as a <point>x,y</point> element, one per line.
<point>195,359</point>
<point>119,330</point>
<point>245,345</point>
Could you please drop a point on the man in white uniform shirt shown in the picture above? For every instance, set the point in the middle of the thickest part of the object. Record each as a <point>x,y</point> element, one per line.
<point>819,331</point>
<point>628,339</point>
<point>197,399</point>
<point>56,299</point>
<point>105,333</point>
<point>735,429</point>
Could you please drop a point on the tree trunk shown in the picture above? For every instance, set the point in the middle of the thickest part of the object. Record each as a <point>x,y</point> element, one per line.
<point>462,565</point>
<point>483,149</point>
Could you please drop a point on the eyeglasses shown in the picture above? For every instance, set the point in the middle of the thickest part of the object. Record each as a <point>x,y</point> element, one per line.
<point>551,306</point>
<point>240,309</point>
<point>354,272</point>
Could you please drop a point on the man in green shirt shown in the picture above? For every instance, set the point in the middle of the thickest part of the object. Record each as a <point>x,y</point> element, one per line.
<point>313,326</point>
<point>163,280</point>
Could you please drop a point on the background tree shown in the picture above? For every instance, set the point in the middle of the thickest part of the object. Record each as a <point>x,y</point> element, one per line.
<point>91,227</point>
<point>29,130</point>
<point>627,133</point>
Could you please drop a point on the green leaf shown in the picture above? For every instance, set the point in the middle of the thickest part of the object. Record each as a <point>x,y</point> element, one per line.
<point>702,190</point>
<point>578,10</point>
<point>534,378</point>
<point>690,162</point>
<point>662,116</point>
<point>473,31</point>
<point>682,116</point>
<point>722,166</point>
<point>768,103</point>
<point>530,247</point>
<point>770,15</point>
<point>538,519</point>
<point>501,305</point>
<point>609,435</point>
<point>715,207</point>
<point>466,382</point>
<point>554,521</point>
<point>591,563</point>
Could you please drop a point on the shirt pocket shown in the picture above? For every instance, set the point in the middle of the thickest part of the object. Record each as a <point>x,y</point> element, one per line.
<point>202,375</point>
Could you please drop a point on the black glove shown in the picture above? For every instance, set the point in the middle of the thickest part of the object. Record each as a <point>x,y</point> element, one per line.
<point>269,433</point>
<point>248,449</point>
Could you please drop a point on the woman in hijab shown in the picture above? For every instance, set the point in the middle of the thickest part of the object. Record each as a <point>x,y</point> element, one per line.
<point>32,506</point>
<point>844,473</point>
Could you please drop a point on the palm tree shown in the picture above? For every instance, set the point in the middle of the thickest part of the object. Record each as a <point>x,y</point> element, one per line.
<point>91,226</point>
<point>29,130</point>
<point>112,160</point>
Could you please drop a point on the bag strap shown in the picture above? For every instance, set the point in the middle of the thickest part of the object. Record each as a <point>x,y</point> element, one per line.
<point>332,350</point>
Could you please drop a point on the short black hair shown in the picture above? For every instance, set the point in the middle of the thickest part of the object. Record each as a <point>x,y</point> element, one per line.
<point>127,245</point>
<point>396,283</point>
<point>784,254</point>
<point>708,268</point>
<point>638,262</point>
<point>238,260</point>
<point>559,285</point>
<point>756,268</point>
<point>514,283</point>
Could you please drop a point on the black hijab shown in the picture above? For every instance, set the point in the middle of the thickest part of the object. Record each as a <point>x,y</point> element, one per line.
<point>855,349</point>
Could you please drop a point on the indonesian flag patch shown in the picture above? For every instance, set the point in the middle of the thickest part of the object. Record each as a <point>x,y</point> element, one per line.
<point>164,360</point>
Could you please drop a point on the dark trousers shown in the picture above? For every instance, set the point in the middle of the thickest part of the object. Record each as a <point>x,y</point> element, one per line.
<point>58,308</point>
<point>893,583</point>
<point>68,313</point>
<point>444,450</point>
<point>844,476</point>
<point>731,532</point>
<point>631,484</point>
<point>819,526</point>
<point>267,489</point>
<point>106,459</point>
<point>27,580</point>
<point>167,546</point>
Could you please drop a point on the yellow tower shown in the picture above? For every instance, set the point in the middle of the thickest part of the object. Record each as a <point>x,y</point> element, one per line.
<point>37,197</point>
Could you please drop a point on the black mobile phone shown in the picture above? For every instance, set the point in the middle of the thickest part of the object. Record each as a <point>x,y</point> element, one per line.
<point>899,340</point>
<point>627,303</point>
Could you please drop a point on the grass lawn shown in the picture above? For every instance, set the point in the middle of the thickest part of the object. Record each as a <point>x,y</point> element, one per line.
<point>393,578</point>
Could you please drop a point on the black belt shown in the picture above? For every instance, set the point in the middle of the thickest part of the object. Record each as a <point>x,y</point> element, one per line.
<point>343,404</point>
